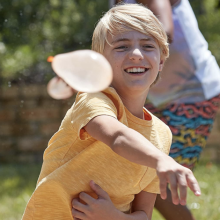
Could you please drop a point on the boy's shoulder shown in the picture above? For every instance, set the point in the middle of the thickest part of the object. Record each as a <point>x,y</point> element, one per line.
<point>164,133</point>
<point>107,98</point>
<point>157,121</point>
<point>108,93</point>
<point>89,105</point>
<point>160,124</point>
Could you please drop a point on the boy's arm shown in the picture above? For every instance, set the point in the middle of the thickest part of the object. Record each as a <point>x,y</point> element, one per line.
<point>133,146</point>
<point>163,10</point>
<point>144,201</point>
<point>103,208</point>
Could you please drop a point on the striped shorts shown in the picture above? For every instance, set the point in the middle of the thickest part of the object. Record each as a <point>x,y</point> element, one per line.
<point>191,125</point>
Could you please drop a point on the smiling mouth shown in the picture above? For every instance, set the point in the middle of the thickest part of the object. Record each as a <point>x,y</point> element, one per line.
<point>136,71</point>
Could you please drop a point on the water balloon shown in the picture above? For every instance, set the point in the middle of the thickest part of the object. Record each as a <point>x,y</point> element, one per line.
<point>58,89</point>
<point>83,70</point>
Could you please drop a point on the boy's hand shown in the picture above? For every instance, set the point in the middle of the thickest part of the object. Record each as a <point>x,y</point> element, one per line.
<point>95,209</point>
<point>179,177</point>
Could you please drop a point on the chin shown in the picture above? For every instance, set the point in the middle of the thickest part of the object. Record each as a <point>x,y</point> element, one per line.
<point>137,89</point>
<point>139,85</point>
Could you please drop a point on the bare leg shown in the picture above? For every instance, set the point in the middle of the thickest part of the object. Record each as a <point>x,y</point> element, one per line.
<point>171,211</point>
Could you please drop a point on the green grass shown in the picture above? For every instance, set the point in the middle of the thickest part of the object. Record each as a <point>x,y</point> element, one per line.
<point>17,183</point>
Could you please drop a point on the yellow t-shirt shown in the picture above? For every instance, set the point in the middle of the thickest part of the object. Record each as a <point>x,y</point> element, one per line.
<point>73,158</point>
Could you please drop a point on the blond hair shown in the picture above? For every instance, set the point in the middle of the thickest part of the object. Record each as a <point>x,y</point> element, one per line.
<point>126,17</point>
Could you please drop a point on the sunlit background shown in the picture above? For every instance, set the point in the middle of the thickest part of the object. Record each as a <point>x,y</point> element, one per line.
<point>32,30</point>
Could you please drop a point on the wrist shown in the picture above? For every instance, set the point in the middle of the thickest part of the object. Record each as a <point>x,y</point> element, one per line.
<point>120,215</point>
<point>161,160</point>
<point>137,215</point>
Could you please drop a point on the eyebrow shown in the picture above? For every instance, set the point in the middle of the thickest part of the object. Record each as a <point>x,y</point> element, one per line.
<point>127,39</point>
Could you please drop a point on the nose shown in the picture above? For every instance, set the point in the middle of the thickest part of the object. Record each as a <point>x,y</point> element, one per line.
<point>136,55</point>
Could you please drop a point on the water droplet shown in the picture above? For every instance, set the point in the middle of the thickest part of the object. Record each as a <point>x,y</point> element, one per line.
<point>195,205</point>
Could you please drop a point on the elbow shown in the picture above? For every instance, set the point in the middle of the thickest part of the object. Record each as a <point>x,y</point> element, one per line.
<point>118,144</point>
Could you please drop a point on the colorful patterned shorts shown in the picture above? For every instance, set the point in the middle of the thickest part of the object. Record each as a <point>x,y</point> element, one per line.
<point>191,125</point>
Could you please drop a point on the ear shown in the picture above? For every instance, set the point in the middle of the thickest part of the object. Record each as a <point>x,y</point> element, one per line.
<point>161,64</point>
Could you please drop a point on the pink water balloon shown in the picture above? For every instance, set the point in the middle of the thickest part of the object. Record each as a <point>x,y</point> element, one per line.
<point>83,70</point>
<point>58,89</point>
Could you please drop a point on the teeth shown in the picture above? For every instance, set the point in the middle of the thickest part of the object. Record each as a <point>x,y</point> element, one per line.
<point>135,70</point>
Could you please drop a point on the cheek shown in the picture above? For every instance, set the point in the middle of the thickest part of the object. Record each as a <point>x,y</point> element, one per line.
<point>155,60</point>
<point>116,64</point>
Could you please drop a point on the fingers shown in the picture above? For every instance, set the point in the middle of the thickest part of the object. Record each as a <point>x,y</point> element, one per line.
<point>98,190</point>
<point>173,188</point>
<point>182,183</point>
<point>76,204</point>
<point>180,179</point>
<point>77,214</point>
<point>86,198</point>
<point>163,187</point>
<point>193,184</point>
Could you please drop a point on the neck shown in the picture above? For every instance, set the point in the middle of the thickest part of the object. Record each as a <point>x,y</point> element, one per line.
<point>134,103</point>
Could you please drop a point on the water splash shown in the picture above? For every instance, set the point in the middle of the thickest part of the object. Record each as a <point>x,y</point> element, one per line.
<point>194,205</point>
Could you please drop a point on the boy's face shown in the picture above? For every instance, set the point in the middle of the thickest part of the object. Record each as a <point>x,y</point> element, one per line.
<point>135,60</point>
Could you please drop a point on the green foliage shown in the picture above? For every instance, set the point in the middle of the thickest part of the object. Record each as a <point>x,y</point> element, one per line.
<point>16,186</point>
<point>209,26</point>
<point>208,16</point>
<point>32,30</point>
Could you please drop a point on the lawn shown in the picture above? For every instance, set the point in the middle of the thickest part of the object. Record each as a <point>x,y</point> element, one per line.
<point>17,183</point>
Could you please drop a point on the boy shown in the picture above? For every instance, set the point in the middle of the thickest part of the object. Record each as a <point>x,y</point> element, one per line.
<point>108,136</point>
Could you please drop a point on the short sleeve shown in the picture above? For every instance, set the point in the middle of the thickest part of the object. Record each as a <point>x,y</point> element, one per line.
<point>153,186</point>
<point>86,107</point>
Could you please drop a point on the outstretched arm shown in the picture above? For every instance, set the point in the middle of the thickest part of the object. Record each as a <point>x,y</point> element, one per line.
<point>133,146</point>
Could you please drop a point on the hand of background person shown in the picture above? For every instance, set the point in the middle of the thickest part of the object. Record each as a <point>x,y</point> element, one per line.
<point>94,209</point>
<point>179,177</point>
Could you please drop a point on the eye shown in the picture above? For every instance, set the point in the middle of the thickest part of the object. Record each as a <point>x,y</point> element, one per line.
<point>148,46</point>
<point>121,47</point>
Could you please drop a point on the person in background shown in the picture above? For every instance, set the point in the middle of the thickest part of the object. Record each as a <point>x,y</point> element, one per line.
<point>187,97</point>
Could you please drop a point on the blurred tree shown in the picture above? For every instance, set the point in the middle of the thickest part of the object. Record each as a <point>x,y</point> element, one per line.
<point>218,4</point>
<point>209,26</point>
<point>198,6</point>
<point>31,30</point>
